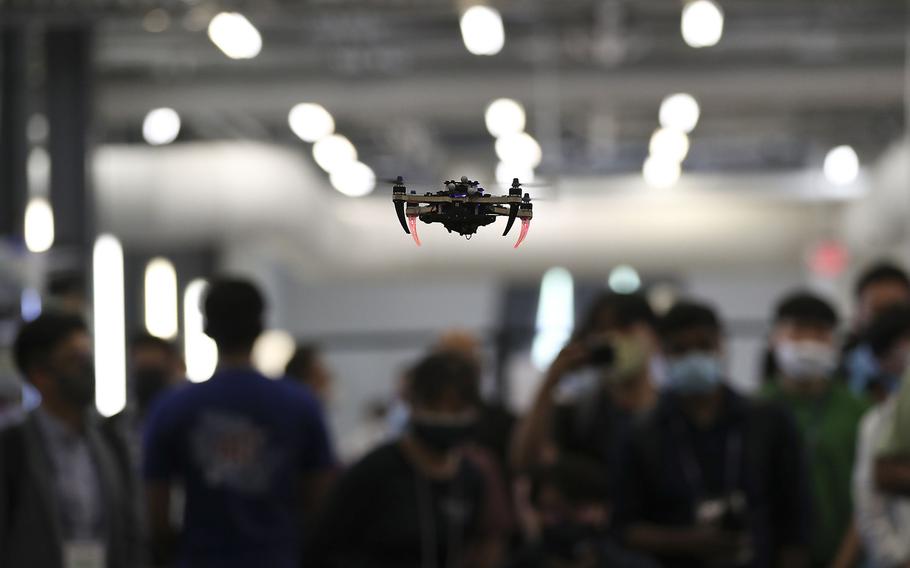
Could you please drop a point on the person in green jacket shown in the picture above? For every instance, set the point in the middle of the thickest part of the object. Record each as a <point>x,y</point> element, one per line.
<point>804,343</point>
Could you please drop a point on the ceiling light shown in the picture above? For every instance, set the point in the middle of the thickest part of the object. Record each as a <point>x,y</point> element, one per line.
<point>702,23</point>
<point>354,180</point>
<point>555,316</point>
<point>505,116</point>
<point>333,152</point>
<point>669,144</point>
<point>624,280</point>
<point>161,298</point>
<point>235,36</point>
<point>310,122</point>
<point>661,173</point>
<point>482,31</point>
<point>519,149</point>
<point>161,126</point>
<point>272,351</point>
<point>679,112</point>
<point>109,325</point>
<point>841,165</point>
<point>199,349</point>
<point>39,225</point>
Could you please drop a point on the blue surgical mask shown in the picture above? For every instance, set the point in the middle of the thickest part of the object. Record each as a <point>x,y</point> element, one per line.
<point>695,373</point>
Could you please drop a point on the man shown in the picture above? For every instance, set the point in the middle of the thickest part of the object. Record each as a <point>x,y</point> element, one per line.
<point>827,415</point>
<point>64,498</point>
<point>711,478</point>
<point>252,453</point>
<point>417,500</point>
<point>880,287</point>
<point>308,368</point>
<point>618,344</point>
<point>882,519</point>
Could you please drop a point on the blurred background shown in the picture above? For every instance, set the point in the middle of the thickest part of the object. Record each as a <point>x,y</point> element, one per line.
<point>725,149</point>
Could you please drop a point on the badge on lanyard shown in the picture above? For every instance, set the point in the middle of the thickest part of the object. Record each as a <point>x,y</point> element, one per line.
<point>84,554</point>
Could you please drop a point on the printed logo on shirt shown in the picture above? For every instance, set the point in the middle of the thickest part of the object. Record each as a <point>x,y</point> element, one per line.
<point>232,452</point>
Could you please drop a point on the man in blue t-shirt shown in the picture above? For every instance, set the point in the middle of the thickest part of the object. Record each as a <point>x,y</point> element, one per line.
<point>252,454</point>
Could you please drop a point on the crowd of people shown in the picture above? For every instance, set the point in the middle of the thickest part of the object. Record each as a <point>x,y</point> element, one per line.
<point>636,452</point>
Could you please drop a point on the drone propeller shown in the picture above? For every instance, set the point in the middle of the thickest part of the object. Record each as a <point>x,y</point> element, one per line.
<point>525,226</point>
<point>412,223</point>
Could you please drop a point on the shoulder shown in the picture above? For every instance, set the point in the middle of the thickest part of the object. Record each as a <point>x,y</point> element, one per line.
<point>385,462</point>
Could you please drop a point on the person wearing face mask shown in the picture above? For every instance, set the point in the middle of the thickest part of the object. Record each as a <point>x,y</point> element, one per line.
<point>64,499</point>
<point>710,478</point>
<point>416,502</point>
<point>827,415</point>
<point>882,518</point>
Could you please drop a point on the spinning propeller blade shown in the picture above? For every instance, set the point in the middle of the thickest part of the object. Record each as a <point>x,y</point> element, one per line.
<point>412,223</point>
<point>525,225</point>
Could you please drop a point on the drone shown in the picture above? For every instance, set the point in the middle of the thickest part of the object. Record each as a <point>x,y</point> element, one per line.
<point>462,207</point>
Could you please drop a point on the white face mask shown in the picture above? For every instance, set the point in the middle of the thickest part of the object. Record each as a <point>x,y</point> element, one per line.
<point>804,360</point>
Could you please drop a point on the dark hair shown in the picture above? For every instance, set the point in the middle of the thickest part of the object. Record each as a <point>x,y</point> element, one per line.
<point>878,273</point>
<point>806,307</point>
<point>38,338</point>
<point>233,313</point>
<point>302,360</point>
<point>687,314</point>
<point>578,479</point>
<point>144,340</point>
<point>440,374</point>
<point>623,310</point>
<point>888,328</point>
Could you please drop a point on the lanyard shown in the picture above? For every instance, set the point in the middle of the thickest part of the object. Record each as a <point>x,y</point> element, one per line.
<point>426,520</point>
<point>692,470</point>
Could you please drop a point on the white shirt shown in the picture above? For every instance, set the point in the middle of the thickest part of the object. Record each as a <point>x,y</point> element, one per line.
<point>883,520</point>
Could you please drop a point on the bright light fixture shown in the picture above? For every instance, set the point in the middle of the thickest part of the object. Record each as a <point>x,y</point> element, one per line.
<point>555,316</point>
<point>624,280</point>
<point>199,349</point>
<point>355,179</point>
<point>482,30</point>
<point>161,126</point>
<point>310,122</point>
<point>161,298</point>
<point>661,173</point>
<point>702,23</point>
<point>110,326</point>
<point>669,144</point>
<point>841,165</point>
<point>505,173</point>
<point>235,36</point>
<point>272,351</point>
<point>679,112</point>
<point>334,152</point>
<point>519,149</point>
<point>39,225</point>
<point>505,116</point>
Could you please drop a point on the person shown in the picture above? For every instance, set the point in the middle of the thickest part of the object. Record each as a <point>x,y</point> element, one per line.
<point>618,343</point>
<point>416,501</point>
<point>572,503</point>
<point>879,287</point>
<point>64,499</point>
<point>827,415</point>
<point>308,368</point>
<point>710,477</point>
<point>252,454</point>
<point>882,519</point>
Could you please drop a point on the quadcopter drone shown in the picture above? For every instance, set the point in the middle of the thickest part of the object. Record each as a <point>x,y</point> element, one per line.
<point>462,207</point>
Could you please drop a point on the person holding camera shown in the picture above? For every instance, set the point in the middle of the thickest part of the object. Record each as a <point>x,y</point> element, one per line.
<point>617,346</point>
<point>712,479</point>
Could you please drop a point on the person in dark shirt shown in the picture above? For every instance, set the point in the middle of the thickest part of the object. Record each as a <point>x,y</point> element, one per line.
<point>713,479</point>
<point>416,502</point>
<point>252,454</point>
<point>572,505</point>
<point>307,367</point>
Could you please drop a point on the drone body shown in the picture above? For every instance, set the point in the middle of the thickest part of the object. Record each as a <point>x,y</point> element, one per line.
<point>462,207</point>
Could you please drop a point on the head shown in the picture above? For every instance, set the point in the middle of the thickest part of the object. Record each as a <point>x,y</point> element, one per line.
<point>619,314</point>
<point>234,310</point>
<point>572,500</point>
<point>155,365</point>
<point>460,341</point>
<point>889,338</point>
<point>691,336</point>
<point>54,353</point>
<point>879,287</point>
<point>443,394</point>
<point>804,338</point>
<point>308,367</point>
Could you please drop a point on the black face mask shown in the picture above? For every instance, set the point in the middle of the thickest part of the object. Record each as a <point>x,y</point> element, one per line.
<point>148,384</point>
<point>567,540</point>
<point>441,436</point>
<point>78,388</point>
